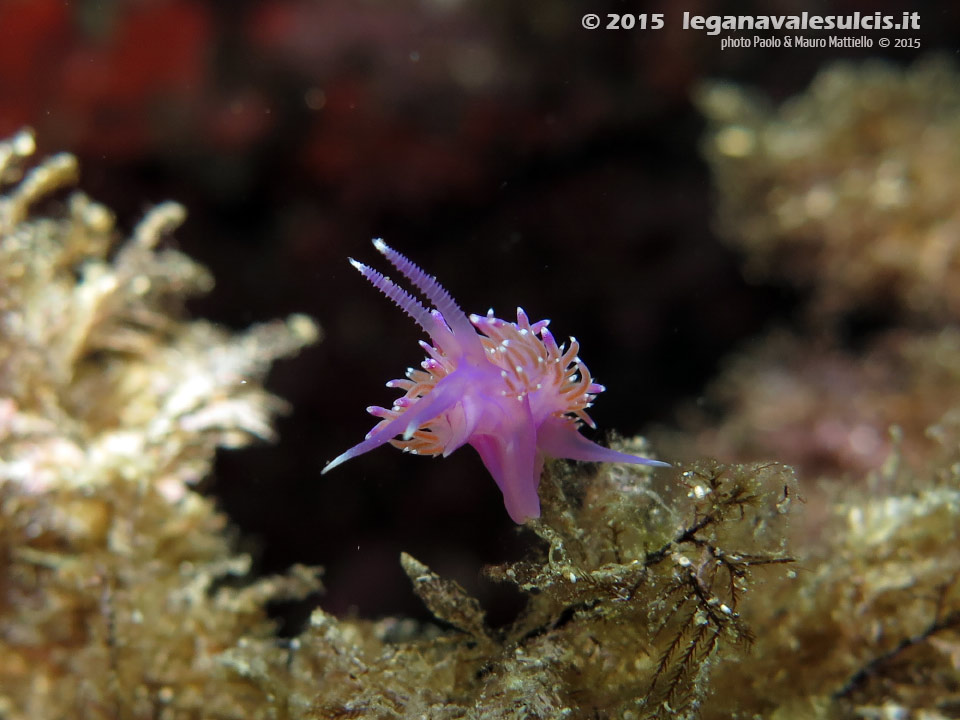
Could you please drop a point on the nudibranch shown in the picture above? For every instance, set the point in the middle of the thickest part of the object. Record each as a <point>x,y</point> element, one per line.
<point>507,389</point>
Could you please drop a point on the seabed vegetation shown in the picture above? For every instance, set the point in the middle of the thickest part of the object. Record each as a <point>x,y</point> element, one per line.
<point>813,571</point>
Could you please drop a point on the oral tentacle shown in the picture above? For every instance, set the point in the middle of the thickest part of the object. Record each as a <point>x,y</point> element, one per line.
<point>445,395</point>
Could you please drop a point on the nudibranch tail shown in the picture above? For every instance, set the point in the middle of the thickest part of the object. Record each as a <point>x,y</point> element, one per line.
<point>559,437</point>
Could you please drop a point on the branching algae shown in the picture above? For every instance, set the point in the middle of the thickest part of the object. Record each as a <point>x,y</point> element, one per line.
<point>111,407</point>
<point>850,188</point>
<point>719,591</point>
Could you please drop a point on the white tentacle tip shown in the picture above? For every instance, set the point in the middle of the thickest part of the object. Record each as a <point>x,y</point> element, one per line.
<point>656,463</point>
<point>341,458</point>
<point>409,431</point>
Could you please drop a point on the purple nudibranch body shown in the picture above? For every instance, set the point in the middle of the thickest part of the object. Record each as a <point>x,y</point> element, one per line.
<point>507,389</point>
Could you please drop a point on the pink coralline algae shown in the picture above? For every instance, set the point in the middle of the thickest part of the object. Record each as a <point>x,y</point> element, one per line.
<point>508,390</point>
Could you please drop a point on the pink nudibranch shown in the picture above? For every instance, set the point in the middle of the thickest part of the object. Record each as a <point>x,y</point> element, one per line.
<point>507,389</point>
